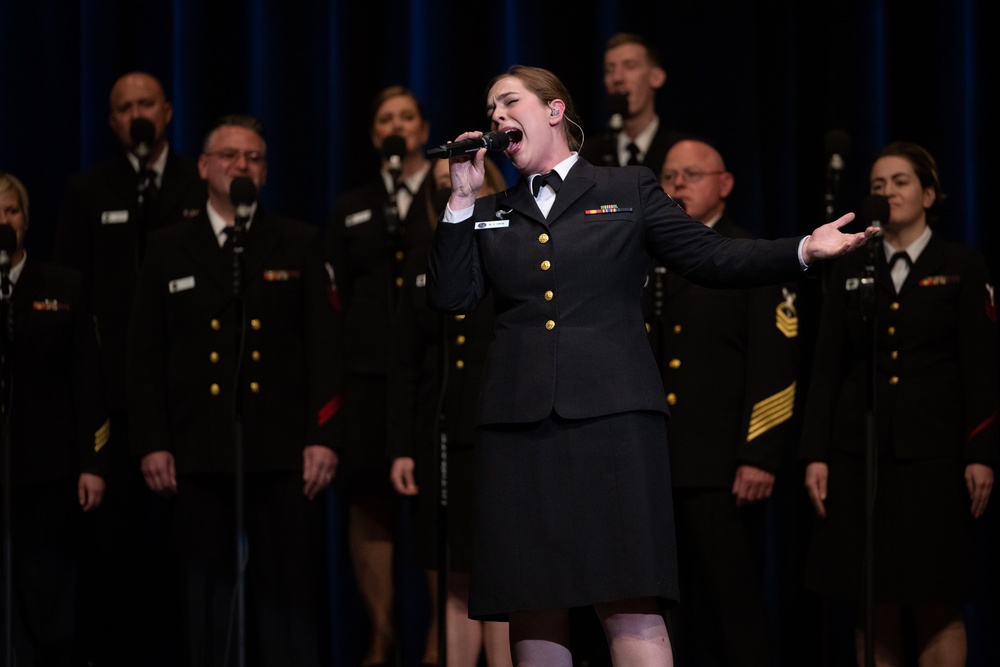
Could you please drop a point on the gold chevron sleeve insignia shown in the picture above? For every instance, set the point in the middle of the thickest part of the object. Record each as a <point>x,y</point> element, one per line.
<point>771,412</point>
<point>786,316</point>
<point>101,435</point>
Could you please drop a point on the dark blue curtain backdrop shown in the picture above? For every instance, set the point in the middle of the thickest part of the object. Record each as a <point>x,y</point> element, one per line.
<point>766,80</point>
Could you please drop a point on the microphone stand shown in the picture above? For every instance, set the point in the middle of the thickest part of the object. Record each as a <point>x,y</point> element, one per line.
<point>444,560</point>
<point>868,314</point>
<point>6,379</point>
<point>241,537</point>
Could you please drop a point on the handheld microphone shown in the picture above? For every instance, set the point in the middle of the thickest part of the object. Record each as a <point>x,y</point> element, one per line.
<point>493,142</point>
<point>393,150</point>
<point>243,195</point>
<point>875,211</point>
<point>142,135</point>
<point>617,109</point>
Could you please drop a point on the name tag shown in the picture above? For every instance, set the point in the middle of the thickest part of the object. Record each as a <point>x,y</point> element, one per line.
<point>181,284</point>
<point>358,218</point>
<point>114,217</point>
<point>492,224</point>
<point>422,280</point>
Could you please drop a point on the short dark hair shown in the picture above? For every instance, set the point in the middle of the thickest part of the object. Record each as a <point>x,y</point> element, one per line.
<point>622,38</point>
<point>234,120</point>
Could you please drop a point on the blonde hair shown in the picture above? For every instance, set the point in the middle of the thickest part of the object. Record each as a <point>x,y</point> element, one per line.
<point>10,182</point>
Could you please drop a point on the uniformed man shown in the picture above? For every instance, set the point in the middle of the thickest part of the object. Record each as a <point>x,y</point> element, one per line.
<point>728,367</point>
<point>106,213</point>
<point>231,357</point>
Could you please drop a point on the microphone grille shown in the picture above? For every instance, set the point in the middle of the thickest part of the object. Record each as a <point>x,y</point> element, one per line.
<point>142,135</point>
<point>393,146</point>
<point>8,239</point>
<point>242,191</point>
<point>875,211</point>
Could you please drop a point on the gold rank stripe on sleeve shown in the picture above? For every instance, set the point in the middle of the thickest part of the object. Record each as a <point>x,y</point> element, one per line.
<point>786,316</point>
<point>51,305</point>
<point>771,412</point>
<point>101,435</point>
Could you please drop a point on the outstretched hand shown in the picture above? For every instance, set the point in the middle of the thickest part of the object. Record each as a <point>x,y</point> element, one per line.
<point>827,241</point>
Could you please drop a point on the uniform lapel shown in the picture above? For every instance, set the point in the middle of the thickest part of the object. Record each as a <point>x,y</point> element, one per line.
<point>579,180</point>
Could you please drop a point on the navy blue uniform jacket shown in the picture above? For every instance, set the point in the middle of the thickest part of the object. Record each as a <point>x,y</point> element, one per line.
<point>570,334</point>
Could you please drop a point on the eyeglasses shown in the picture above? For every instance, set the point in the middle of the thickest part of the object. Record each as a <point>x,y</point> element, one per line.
<point>690,175</point>
<point>233,154</point>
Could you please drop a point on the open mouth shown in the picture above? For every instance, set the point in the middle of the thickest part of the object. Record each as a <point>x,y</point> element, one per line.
<point>515,135</point>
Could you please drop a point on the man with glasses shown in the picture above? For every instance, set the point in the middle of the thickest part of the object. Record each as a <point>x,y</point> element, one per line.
<point>728,367</point>
<point>233,356</point>
<point>106,213</point>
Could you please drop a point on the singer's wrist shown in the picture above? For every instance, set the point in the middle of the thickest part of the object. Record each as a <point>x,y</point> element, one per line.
<point>458,202</point>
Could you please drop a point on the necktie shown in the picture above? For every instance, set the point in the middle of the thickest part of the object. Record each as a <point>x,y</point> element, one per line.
<point>633,154</point>
<point>552,178</point>
<point>228,243</point>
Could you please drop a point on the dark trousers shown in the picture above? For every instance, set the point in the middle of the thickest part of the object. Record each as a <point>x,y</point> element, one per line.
<point>721,620</point>
<point>285,580</point>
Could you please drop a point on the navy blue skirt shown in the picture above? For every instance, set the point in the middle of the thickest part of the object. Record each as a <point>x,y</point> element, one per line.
<point>570,513</point>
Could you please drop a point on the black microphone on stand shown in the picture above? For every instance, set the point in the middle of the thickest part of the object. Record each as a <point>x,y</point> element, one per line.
<point>493,142</point>
<point>8,245</point>
<point>838,145</point>
<point>875,211</point>
<point>243,195</point>
<point>617,110</point>
<point>142,134</point>
<point>393,150</point>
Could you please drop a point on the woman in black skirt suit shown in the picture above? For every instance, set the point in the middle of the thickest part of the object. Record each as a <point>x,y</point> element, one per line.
<point>572,478</point>
<point>373,232</point>
<point>935,412</point>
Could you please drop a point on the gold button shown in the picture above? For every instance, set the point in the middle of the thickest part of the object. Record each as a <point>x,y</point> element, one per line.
<point>675,363</point>
<point>215,324</point>
<point>214,357</point>
<point>399,281</point>
<point>546,265</point>
<point>677,328</point>
<point>214,389</point>
<point>459,364</point>
<point>894,380</point>
<point>255,324</point>
<point>892,331</point>
<point>460,340</point>
<point>894,305</point>
<point>649,327</point>
<point>894,354</point>
<point>671,399</point>
<point>543,238</point>
<point>549,295</point>
<point>254,387</point>
<point>459,318</point>
<point>550,325</point>
<point>255,355</point>
<point>399,255</point>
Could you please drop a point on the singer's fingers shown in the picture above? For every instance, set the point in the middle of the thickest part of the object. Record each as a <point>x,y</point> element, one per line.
<point>844,219</point>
